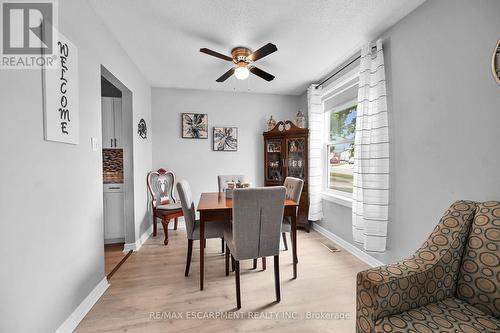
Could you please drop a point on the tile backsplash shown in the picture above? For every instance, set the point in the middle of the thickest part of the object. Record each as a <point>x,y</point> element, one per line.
<point>112,165</point>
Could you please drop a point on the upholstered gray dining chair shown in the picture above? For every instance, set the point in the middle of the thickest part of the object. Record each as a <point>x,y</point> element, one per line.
<point>255,231</point>
<point>293,191</point>
<point>224,179</point>
<point>212,229</point>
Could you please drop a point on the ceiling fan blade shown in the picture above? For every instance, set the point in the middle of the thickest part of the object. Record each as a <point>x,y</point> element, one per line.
<point>215,54</point>
<point>263,51</point>
<point>260,73</point>
<point>226,75</point>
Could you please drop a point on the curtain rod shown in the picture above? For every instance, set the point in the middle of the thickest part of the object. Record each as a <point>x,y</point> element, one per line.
<point>341,69</point>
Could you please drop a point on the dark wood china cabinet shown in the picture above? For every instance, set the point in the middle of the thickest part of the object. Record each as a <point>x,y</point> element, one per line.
<point>286,154</point>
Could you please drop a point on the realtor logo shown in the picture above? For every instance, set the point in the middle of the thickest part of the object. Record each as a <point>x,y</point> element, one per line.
<point>28,33</point>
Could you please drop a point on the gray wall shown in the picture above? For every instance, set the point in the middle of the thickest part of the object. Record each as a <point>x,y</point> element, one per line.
<point>445,117</point>
<point>194,159</point>
<point>51,193</point>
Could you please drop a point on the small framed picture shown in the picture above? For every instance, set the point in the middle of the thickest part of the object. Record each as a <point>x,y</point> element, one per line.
<point>225,138</point>
<point>195,125</point>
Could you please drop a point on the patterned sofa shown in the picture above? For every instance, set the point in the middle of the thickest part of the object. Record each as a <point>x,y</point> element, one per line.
<point>451,284</point>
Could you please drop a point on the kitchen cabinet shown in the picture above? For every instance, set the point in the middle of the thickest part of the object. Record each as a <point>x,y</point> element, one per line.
<point>114,214</point>
<point>111,122</point>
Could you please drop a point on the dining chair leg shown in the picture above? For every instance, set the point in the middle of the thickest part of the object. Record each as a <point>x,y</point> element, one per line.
<point>263,263</point>
<point>232,264</point>
<point>292,241</point>
<point>164,222</point>
<point>155,225</point>
<point>222,244</point>
<point>255,263</point>
<point>237,277</point>
<point>277,277</point>
<point>189,254</point>
<point>205,244</point>
<point>175,223</point>
<point>284,241</point>
<point>227,260</point>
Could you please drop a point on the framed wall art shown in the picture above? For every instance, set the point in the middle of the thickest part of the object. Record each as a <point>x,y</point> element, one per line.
<point>195,125</point>
<point>225,138</point>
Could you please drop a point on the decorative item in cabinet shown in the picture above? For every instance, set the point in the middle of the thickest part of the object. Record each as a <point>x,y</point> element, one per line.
<point>286,155</point>
<point>271,123</point>
<point>300,119</point>
<point>274,159</point>
<point>295,157</point>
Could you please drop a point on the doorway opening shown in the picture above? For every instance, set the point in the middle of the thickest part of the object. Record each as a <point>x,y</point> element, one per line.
<point>117,136</point>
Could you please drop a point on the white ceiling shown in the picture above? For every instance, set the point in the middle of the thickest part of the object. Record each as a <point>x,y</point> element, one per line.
<point>163,38</point>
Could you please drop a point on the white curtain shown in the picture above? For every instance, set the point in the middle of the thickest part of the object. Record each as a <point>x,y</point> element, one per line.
<point>371,154</point>
<point>315,118</point>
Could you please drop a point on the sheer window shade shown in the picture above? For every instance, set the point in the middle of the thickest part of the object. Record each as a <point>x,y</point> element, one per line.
<point>315,117</point>
<point>341,95</point>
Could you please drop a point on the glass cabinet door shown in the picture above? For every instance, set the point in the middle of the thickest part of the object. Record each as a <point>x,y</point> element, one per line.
<point>274,167</point>
<point>296,157</point>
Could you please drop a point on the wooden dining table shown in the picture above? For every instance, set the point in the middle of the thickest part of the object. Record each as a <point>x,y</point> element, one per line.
<point>215,206</point>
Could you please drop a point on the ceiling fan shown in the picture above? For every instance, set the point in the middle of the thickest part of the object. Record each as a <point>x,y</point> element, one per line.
<point>242,57</point>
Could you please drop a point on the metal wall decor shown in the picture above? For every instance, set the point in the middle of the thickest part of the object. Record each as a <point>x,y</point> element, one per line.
<point>142,129</point>
<point>495,62</point>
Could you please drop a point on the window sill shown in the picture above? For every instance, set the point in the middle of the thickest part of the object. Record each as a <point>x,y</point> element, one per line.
<point>338,199</point>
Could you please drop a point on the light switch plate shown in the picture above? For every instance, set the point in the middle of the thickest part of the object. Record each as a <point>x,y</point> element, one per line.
<point>93,143</point>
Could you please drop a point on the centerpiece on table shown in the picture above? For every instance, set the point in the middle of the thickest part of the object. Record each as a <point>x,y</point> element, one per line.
<point>233,185</point>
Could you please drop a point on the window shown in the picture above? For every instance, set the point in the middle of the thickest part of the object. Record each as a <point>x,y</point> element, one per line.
<point>340,102</point>
<point>341,122</point>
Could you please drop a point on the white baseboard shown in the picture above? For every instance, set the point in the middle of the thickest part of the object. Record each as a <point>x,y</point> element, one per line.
<point>81,311</point>
<point>129,246</point>
<point>138,243</point>
<point>360,254</point>
<point>114,240</point>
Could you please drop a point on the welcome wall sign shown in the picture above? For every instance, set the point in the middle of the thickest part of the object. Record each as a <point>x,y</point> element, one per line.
<point>60,85</point>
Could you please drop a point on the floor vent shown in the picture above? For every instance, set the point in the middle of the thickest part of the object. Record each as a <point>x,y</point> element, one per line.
<point>330,247</point>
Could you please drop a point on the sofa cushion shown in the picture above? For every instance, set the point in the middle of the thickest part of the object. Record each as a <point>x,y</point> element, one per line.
<point>448,315</point>
<point>479,279</point>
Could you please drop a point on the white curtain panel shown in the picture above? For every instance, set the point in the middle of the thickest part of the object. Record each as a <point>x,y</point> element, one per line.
<point>371,154</point>
<point>315,118</point>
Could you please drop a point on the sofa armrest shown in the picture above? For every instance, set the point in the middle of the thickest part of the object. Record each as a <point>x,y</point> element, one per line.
<point>427,276</point>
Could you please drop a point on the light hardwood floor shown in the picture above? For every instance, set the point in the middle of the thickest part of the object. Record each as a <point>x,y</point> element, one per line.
<point>152,281</point>
<point>113,254</point>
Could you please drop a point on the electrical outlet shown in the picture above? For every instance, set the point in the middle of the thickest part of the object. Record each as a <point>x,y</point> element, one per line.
<point>93,143</point>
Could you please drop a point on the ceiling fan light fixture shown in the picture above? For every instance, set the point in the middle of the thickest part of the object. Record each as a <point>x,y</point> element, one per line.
<point>243,58</point>
<point>241,73</point>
